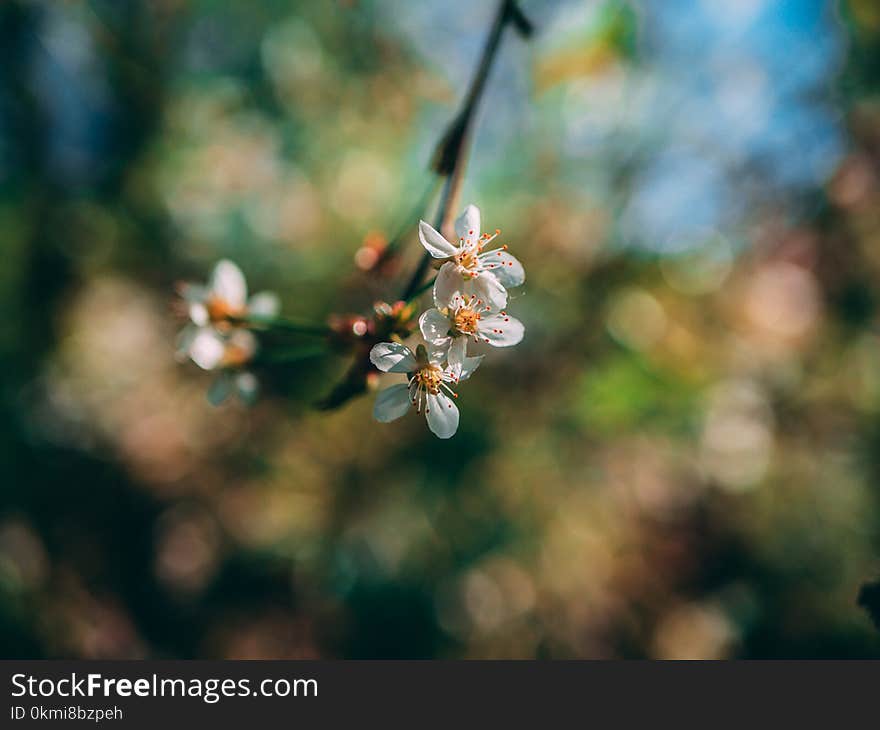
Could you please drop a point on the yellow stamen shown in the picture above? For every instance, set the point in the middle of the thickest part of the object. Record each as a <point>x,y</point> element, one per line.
<point>465,320</point>
<point>430,377</point>
<point>219,310</point>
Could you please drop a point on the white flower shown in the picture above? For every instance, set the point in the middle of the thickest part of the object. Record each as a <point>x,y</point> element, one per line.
<point>225,297</point>
<point>465,316</point>
<point>227,353</point>
<point>213,350</point>
<point>429,384</point>
<point>469,269</point>
<point>212,341</point>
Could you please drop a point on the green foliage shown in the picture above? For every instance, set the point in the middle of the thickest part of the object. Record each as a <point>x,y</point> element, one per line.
<point>625,392</point>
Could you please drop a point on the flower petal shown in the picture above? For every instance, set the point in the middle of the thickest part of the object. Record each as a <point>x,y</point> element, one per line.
<point>248,387</point>
<point>506,267</point>
<point>489,289</point>
<point>244,342</point>
<point>264,304</point>
<point>468,365</point>
<point>392,357</point>
<point>446,285</point>
<point>207,348</point>
<point>184,342</point>
<point>392,403</point>
<point>219,389</point>
<point>437,351</point>
<point>434,243</point>
<point>467,225</point>
<point>434,326</point>
<point>442,415</point>
<point>501,330</point>
<point>228,283</point>
<point>198,313</point>
<point>460,364</point>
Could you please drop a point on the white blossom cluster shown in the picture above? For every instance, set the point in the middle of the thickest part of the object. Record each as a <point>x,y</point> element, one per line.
<point>216,337</point>
<point>470,296</point>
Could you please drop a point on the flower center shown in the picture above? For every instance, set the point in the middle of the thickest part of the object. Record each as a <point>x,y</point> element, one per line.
<point>429,378</point>
<point>467,259</point>
<point>466,312</point>
<point>465,320</point>
<point>236,355</point>
<point>219,310</point>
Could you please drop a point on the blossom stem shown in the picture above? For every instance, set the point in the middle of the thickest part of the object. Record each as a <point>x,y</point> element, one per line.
<point>292,355</point>
<point>280,323</point>
<point>450,157</point>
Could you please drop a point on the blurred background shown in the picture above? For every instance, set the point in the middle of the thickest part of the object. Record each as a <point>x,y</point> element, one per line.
<point>681,460</point>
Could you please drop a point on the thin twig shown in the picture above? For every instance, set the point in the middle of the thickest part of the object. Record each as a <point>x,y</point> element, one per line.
<point>292,355</point>
<point>446,218</point>
<point>287,325</point>
<point>448,152</point>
